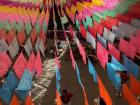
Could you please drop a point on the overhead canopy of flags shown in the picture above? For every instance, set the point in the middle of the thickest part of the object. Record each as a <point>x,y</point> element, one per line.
<point>110,27</point>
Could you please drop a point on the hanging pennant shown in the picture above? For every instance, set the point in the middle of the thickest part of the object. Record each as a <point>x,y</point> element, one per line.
<point>14,101</point>
<point>38,64</point>
<point>42,48</point>
<point>37,44</point>
<point>78,75</point>
<point>3,46</point>
<point>24,85</point>
<point>20,65</point>
<point>103,92</point>
<point>58,78</point>
<point>5,63</point>
<point>31,62</point>
<point>21,38</point>
<point>13,48</point>
<point>128,96</point>
<point>102,55</point>
<point>113,51</point>
<point>131,67</point>
<point>92,70</point>
<point>28,47</point>
<point>29,101</point>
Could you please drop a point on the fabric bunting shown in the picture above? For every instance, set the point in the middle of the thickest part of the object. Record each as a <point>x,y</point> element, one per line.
<point>113,51</point>
<point>28,47</point>
<point>7,90</point>
<point>129,97</point>
<point>134,85</point>
<point>38,64</point>
<point>102,55</point>
<point>14,101</point>
<point>31,62</point>
<point>5,63</point>
<point>13,48</point>
<point>92,70</point>
<point>3,45</point>
<point>78,75</point>
<point>20,65</point>
<point>24,85</point>
<point>131,66</point>
<point>103,92</point>
<point>58,78</point>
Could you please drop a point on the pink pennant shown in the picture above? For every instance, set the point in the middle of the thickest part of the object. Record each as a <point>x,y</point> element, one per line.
<point>38,64</point>
<point>5,62</point>
<point>135,41</point>
<point>72,59</point>
<point>20,65</point>
<point>31,62</point>
<point>124,46</point>
<point>113,51</point>
<point>57,61</point>
<point>83,53</point>
<point>102,55</point>
<point>71,31</point>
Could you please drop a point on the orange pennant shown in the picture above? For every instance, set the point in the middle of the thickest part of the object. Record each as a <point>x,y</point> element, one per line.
<point>104,93</point>
<point>29,101</point>
<point>85,97</point>
<point>128,96</point>
<point>134,85</point>
<point>58,99</point>
<point>0,102</point>
<point>14,101</point>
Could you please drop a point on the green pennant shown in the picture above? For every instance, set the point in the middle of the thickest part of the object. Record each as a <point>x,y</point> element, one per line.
<point>77,24</point>
<point>7,26</point>
<point>19,26</point>
<point>28,28</point>
<point>110,13</point>
<point>64,20</point>
<point>13,25</point>
<point>96,18</point>
<point>37,27</point>
<point>85,24</point>
<point>89,21</point>
<point>45,26</point>
<point>1,25</point>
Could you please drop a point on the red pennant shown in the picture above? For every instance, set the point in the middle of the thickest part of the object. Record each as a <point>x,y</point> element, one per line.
<point>127,94</point>
<point>33,36</point>
<point>2,33</point>
<point>14,101</point>
<point>71,31</point>
<point>124,46</point>
<point>21,38</point>
<point>5,63</point>
<point>29,101</point>
<point>113,51</point>
<point>31,62</point>
<point>38,64</point>
<point>20,65</point>
<point>10,36</point>
<point>83,30</point>
<point>102,55</point>
<point>134,85</point>
<point>43,36</point>
<point>104,93</point>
